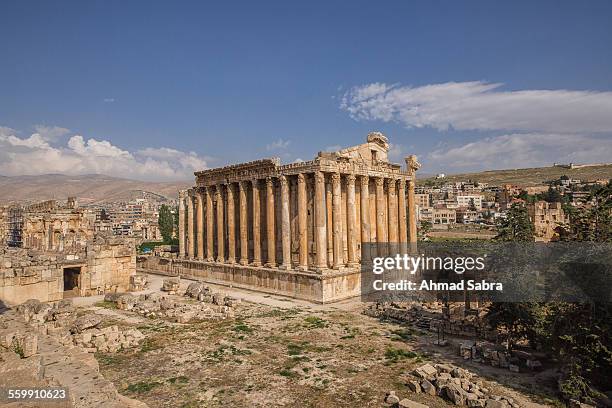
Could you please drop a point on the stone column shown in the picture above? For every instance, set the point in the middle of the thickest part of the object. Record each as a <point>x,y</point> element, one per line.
<point>285,223</point>
<point>381,232</point>
<point>302,222</point>
<point>256,224</point>
<point>231,225</point>
<point>412,165</point>
<point>392,211</point>
<point>244,236</point>
<point>190,226</point>
<point>220,235</point>
<point>320,230</point>
<point>364,196</point>
<point>200,223</point>
<point>351,222</point>
<point>210,250</point>
<point>329,224</point>
<point>403,234</point>
<point>337,221</point>
<point>181,225</point>
<point>270,223</point>
<point>412,225</point>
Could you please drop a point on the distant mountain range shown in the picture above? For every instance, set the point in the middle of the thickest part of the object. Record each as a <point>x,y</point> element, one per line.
<point>88,188</point>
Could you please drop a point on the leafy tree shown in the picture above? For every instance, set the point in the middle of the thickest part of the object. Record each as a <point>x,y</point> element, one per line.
<point>552,195</point>
<point>578,335</point>
<point>516,226</point>
<point>592,224</point>
<point>515,321</point>
<point>166,223</point>
<point>424,228</point>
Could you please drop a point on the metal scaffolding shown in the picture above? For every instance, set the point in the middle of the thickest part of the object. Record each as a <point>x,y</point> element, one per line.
<point>14,226</point>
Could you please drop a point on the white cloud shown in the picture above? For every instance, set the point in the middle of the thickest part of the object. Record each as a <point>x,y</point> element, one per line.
<point>51,133</point>
<point>277,145</point>
<point>482,106</point>
<point>522,150</point>
<point>38,154</point>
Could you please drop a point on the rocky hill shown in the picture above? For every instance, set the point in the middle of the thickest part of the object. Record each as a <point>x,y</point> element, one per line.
<point>530,176</point>
<point>88,188</point>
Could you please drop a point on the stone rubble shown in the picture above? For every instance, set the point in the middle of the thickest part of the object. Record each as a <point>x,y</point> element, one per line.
<point>209,305</point>
<point>60,321</point>
<point>454,384</point>
<point>31,357</point>
<point>431,316</point>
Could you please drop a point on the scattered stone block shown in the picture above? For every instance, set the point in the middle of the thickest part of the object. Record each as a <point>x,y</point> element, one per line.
<point>454,393</point>
<point>444,368</point>
<point>459,373</point>
<point>138,282</point>
<point>171,285</point>
<point>428,388</point>
<point>476,403</point>
<point>427,372</point>
<point>414,386</point>
<point>391,398</point>
<point>85,322</point>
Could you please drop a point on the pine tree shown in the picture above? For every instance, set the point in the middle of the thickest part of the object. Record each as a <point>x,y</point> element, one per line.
<point>516,226</point>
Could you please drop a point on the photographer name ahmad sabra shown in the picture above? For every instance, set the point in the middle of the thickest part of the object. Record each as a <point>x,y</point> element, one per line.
<point>464,284</point>
<point>411,264</point>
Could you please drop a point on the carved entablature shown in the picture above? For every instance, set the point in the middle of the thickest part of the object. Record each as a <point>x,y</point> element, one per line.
<point>369,159</point>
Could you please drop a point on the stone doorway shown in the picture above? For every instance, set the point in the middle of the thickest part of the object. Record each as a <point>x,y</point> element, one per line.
<point>71,281</point>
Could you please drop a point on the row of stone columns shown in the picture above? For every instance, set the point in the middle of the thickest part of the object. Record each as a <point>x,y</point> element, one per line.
<point>328,228</point>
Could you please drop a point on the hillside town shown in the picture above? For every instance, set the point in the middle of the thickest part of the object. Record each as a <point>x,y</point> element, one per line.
<point>475,208</point>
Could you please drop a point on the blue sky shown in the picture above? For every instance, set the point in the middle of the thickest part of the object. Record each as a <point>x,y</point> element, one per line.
<point>132,88</point>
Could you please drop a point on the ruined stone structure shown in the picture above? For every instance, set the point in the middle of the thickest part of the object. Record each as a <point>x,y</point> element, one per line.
<point>546,218</point>
<point>104,264</point>
<point>48,226</point>
<point>295,229</point>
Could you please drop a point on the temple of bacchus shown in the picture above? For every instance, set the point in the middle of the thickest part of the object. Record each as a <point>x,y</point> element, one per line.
<point>296,229</point>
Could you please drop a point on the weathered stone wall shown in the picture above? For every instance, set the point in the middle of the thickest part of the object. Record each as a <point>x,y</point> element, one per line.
<point>110,263</point>
<point>29,275</point>
<point>105,266</point>
<point>313,287</point>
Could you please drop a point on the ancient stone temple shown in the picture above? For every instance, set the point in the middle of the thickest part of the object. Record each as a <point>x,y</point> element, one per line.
<point>296,229</point>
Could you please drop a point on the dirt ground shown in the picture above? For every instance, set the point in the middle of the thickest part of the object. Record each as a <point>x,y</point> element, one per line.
<point>279,352</point>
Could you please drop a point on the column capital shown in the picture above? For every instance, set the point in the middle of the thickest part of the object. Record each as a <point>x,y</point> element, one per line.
<point>351,178</point>
<point>319,176</point>
<point>379,181</point>
<point>301,178</point>
<point>269,181</point>
<point>335,178</point>
<point>364,180</point>
<point>283,180</point>
<point>255,183</point>
<point>242,186</point>
<point>402,183</point>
